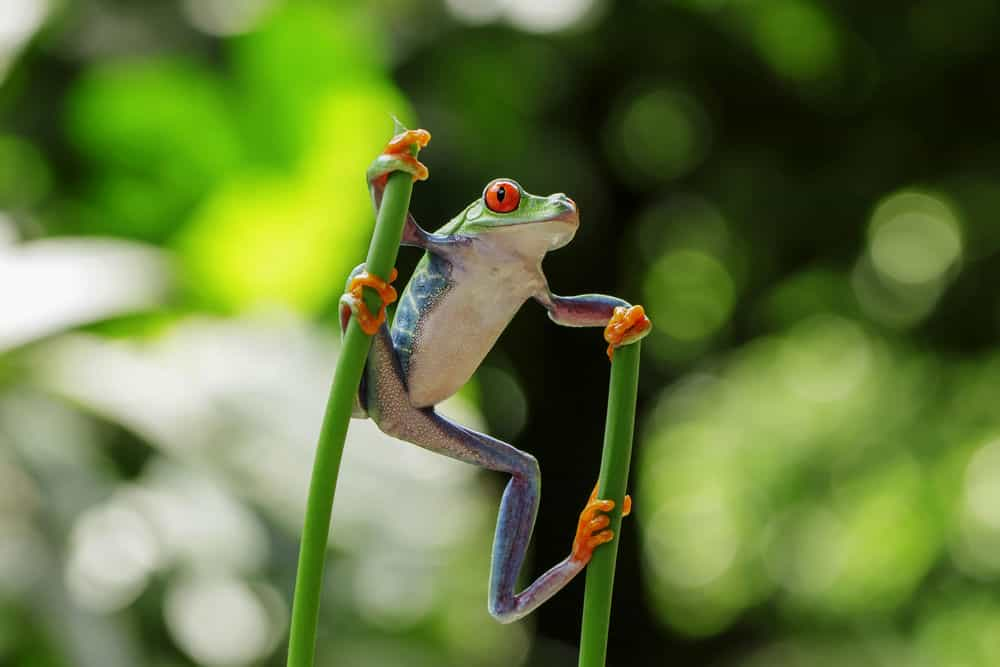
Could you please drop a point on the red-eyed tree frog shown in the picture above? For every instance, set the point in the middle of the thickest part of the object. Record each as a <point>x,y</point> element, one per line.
<point>476,272</point>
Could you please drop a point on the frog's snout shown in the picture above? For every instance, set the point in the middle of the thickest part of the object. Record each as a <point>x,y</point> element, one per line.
<point>567,219</point>
<point>569,212</point>
<point>563,199</point>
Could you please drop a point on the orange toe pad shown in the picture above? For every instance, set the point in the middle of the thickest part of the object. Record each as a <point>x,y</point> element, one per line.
<point>592,527</point>
<point>624,323</point>
<point>401,142</point>
<point>370,323</point>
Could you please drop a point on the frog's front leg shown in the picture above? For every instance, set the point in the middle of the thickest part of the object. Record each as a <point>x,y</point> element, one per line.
<point>623,322</point>
<point>387,402</point>
<point>585,310</point>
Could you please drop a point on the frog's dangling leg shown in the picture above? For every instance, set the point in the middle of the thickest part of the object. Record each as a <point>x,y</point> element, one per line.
<point>388,403</point>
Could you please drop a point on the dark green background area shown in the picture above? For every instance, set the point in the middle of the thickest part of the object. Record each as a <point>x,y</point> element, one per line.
<point>804,195</point>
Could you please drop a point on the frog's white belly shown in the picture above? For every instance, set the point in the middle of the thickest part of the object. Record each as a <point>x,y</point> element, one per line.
<point>454,337</point>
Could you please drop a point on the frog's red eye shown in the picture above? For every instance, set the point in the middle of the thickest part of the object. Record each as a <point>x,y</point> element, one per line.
<point>502,196</point>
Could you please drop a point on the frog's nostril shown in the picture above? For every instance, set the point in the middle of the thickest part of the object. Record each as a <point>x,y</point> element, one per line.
<point>563,199</point>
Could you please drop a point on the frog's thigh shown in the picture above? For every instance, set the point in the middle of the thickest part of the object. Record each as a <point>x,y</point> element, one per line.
<point>388,404</point>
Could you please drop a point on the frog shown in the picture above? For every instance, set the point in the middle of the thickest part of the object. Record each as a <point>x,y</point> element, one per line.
<point>476,272</point>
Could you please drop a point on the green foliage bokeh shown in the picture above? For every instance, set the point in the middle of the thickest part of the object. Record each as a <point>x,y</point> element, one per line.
<point>804,196</point>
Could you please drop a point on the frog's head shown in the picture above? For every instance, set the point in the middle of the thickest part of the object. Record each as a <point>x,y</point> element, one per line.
<point>507,208</point>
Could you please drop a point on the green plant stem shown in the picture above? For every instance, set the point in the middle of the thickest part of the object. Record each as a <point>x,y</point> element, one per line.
<point>347,376</point>
<point>615,461</point>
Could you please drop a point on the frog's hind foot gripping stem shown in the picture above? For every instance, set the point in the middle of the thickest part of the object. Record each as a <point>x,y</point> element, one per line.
<point>592,526</point>
<point>353,299</point>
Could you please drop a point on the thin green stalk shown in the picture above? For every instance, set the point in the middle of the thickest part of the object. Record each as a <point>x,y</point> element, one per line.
<point>329,450</point>
<point>613,480</point>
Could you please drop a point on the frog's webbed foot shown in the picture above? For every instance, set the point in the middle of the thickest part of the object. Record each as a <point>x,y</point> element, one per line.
<point>627,325</point>
<point>592,527</point>
<point>353,299</point>
<point>401,142</point>
<point>397,157</point>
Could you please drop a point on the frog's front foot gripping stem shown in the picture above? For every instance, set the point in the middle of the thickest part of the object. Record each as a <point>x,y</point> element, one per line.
<point>397,156</point>
<point>353,299</point>
<point>592,527</point>
<point>627,325</point>
<point>401,142</point>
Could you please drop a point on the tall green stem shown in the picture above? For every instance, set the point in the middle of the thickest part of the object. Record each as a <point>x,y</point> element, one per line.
<point>613,480</point>
<point>330,449</point>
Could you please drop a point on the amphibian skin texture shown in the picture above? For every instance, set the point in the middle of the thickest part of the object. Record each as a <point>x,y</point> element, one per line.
<point>476,272</point>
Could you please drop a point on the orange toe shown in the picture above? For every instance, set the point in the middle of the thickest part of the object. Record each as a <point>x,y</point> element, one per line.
<point>625,323</point>
<point>399,147</point>
<point>370,323</point>
<point>592,527</point>
<point>419,169</point>
<point>401,142</point>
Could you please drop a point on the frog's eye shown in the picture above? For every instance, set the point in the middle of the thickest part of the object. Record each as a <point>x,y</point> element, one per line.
<point>502,196</point>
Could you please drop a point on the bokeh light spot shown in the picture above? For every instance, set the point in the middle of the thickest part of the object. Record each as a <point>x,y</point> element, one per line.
<point>806,551</point>
<point>961,631</point>
<point>690,294</point>
<point>882,568</point>
<point>548,16</point>
<point>219,620</point>
<point>796,37</point>
<point>19,19</point>
<point>889,302</point>
<point>914,238</point>
<point>977,549</point>
<point>475,11</point>
<point>392,591</point>
<point>113,552</point>
<point>225,17</point>
<point>660,134</point>
<point>825,358</point>
<point>711,537</point>
<point>683,221</point>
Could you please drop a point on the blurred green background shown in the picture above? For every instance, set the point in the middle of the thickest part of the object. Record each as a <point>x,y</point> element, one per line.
<point>804,195</point>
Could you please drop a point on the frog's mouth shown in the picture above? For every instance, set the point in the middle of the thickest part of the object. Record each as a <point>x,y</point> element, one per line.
<point>554,230</point>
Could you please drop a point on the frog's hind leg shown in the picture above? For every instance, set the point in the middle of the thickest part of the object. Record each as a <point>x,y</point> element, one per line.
<point>389,405</point>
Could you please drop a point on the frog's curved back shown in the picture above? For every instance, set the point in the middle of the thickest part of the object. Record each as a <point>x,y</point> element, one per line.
<point>449,316</point>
